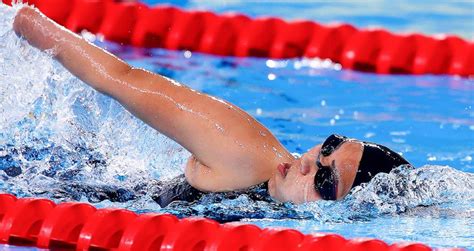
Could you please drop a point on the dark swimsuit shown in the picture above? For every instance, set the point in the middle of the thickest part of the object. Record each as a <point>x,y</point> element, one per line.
<point>178,189</point>
<point>162,192</point>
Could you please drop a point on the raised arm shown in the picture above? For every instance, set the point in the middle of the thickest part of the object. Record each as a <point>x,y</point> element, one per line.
<point>231,149</point>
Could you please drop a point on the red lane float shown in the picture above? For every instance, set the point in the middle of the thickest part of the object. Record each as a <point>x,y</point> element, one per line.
<point>169,27</point>
<point>80,226</point>
<point>221,36</point>
<point>21,224</point>
<point>328,42</point>
<point>60,229</point>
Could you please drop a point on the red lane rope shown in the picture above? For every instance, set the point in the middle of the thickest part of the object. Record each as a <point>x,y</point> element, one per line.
<point>80,226</point>
<point>370,50</point>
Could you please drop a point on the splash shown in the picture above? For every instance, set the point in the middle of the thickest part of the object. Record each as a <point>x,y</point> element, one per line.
<point>16,99</point>
<point>56,129</point>
<point>405,190</point>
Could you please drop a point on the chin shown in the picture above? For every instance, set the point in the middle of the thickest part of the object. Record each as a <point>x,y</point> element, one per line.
<point>273,191</point>
<point>271,187</point>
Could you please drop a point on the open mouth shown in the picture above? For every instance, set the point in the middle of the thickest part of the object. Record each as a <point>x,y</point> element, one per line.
<point>283,169</point>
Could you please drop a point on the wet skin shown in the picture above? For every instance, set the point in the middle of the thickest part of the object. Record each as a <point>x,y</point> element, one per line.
<point>230,149</point>
<point>294,180</point>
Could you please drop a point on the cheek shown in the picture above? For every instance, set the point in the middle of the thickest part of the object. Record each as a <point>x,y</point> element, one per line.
<point>298,187</point>
<point>277,188</point>
<point>271,186</point>
<point>294,180</point>
<point>347,171</point>
<point>344,168</point>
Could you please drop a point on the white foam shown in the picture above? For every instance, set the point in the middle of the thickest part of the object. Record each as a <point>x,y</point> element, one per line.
<point>40,102</point>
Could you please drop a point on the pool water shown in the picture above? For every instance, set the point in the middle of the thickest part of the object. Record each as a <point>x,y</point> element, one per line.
<point>57,133</point>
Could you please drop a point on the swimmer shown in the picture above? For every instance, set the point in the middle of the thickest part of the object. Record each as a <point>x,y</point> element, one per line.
<point>231,151</point>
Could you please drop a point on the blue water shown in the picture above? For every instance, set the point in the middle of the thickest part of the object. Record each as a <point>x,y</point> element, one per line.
<point>56,131</point>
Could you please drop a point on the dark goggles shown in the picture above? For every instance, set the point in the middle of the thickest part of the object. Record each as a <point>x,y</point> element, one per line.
<point>375,159</point>
<point>325,180</point>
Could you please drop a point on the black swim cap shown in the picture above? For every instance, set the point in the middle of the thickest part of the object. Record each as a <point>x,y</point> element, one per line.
<point>376,159</point>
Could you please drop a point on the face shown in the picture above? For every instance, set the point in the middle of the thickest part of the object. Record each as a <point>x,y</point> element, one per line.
<point>295,181</point>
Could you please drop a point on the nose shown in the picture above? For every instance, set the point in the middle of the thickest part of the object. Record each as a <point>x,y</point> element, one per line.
<point>305,166</point>
<point>304,169</point>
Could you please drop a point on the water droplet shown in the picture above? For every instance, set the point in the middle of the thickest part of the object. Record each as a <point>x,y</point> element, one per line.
<point>271,63</point>
<point>369,135</point>
<point>355,115</point>
<point>188,54</point>
<point>467,158</point>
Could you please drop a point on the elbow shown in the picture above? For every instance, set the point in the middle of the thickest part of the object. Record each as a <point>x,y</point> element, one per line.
<point>123,71</point>
<point>192,177</point>
<point>117,72</point>
<point>199,176</point>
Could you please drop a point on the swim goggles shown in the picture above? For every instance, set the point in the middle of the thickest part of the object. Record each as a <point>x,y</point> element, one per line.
<point>325,180</point>
<point>375,159</point>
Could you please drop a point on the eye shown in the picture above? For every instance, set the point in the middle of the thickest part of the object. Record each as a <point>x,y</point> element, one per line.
<point>325,182</point>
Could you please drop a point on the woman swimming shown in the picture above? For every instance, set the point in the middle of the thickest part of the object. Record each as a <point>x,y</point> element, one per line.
<point>230,149</point>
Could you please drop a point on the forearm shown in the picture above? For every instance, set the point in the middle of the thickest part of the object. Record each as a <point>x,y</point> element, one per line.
<point>106,73</point>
